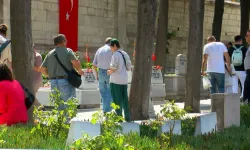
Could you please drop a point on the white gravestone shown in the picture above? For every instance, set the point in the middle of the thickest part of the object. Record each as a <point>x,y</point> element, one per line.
<point>176,125</point>
<point>181,65</point>
<point>130,127</point>
<point>79,127</point>
<point>156,76</point>
<point>85,97</point>
<point>89,80</point>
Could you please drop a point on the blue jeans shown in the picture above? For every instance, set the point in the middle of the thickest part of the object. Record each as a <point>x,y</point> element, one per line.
<point>105,91</point>
<point>217,81</point>
<point>66,90</point>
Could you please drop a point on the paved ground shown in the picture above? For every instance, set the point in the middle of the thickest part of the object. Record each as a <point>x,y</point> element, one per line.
<point>205,107</point>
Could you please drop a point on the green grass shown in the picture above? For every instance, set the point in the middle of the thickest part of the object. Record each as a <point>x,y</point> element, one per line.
<point>19,136</point>
<point>235,138</point>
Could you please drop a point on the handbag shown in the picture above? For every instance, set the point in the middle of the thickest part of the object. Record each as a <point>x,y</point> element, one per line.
<point>30,99</point>
<point>73,77</point>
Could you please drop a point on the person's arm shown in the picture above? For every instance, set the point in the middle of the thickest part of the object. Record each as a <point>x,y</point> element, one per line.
<point>95,63</point>
<point>114,64</point>
<point>128,63</point>
<point>75,62</point>
<point>43,69</point>
<point>226,55</point>
<point>204,64</point>
<point>3,101</point>
<point>38,63</point>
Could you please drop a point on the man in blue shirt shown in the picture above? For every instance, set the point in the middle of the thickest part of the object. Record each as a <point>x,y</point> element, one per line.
<point>102,62</point>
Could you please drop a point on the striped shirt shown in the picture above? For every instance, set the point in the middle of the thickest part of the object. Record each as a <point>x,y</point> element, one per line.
<point>120,76</point>
<point>103,57</point>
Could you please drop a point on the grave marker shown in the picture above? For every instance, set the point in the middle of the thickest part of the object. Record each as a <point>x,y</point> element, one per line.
<point>89,80</point>
<point>181,65</point>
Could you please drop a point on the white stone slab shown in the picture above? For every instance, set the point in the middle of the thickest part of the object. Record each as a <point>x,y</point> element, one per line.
<point>167,124</point>
<point>158,90</point>
<point>89,80</point>
<point>79,127</point>
<point>130,127</point>
<point>156,76</point>
<point>206,122</point>
<point>181,65</point>
<point>130,77</point>
<point>84,96</point>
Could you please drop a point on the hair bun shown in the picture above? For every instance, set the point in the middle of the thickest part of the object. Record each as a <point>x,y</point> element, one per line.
<point>3,27</point>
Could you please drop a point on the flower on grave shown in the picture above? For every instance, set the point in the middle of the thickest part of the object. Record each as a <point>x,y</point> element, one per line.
<point>153,57</point>
<point>157,67</point>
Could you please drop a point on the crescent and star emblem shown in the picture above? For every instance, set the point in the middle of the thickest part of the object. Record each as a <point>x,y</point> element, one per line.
<point>72,5</point>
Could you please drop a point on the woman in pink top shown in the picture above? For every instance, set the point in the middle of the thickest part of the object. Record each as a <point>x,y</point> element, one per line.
<point>12,99</point>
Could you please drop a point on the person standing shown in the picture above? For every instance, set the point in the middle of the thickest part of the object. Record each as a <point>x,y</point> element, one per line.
<point>120,64</point>
<point>102,62</point>
<point>213,60</point>
<point>237,54</point>
<point>37,74</point>
<point>56,74</point>
<point>6,57</point>
<point>246,92</point>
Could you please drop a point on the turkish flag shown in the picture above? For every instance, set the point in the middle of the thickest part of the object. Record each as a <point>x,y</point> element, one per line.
<point>68,22</point>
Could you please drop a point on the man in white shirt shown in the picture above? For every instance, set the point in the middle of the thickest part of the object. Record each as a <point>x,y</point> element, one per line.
<point>213,59</point>
<point>120,64</point>
<point>102,62</point>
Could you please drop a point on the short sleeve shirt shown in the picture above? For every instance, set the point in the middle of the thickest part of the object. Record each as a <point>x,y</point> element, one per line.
<point>65,55</point>
<point>120,76</point>
<point>103,57</point>
<point>215,52</point>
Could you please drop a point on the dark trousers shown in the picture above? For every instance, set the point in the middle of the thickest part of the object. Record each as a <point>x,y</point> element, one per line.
<point>120,98</point>
<point>246,93</point>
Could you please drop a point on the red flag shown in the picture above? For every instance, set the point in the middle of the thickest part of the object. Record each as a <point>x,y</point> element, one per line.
<point>68,22</point>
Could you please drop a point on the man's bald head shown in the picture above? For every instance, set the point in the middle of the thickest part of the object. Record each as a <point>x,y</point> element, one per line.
<point>211,39</point>
<point>107,41</point>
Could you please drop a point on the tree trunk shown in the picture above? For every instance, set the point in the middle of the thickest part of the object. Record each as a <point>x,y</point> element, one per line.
<point>21,44</point>
<point>218,17</point>
<point>141,81</point>
<point>193,78</point>
<point>161,39</point>
<point>244,25</point>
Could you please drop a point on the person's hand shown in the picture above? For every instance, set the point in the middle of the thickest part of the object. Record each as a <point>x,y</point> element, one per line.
<point>203,73</point>
<point>80,72</point>
<point>109,72</point>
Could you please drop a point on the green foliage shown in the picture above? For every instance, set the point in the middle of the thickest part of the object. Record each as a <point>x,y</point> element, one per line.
<point>151,128</point>
<point>55,123</point>
<point>188,126</point>
<point>86,65</point>
<point>19,137</point>
<point>111,137</point>
<point>170,35</point>
<point>245,115</point>
<point>44,55</point>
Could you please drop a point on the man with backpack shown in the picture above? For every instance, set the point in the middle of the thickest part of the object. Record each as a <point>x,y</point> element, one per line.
<point>237,54</point>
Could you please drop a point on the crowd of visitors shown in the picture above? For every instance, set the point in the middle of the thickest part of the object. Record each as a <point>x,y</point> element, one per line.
<point>228,66</point>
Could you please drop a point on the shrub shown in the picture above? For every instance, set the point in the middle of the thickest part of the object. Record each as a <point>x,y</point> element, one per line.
<point>55,123</point>
<point>245,115</point>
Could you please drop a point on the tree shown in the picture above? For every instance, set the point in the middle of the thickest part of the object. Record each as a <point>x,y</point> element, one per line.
<point>193,78</point>
<point>161,39</point>
<point>21,44</point>
<point>218,17</point>
<point>141,81</point>
<point>244,23</point>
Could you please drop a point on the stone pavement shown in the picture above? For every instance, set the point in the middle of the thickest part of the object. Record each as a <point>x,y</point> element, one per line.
<point>204,104</point>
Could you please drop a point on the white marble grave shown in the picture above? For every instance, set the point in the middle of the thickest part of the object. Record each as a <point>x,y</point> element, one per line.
<point>205,123</point>
<point>156,77</point>
<point>129,127</point>
<point>181,65</point>
<point>79,127</point>
<point>165,128</point>
<point>89,80</point>
<point>85,97</point>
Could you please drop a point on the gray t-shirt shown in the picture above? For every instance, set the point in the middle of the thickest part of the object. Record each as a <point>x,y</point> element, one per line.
<point>65,55</point>
<point>247,59</point>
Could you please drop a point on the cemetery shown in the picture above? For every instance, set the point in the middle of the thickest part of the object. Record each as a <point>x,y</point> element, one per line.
<point>172,116</point>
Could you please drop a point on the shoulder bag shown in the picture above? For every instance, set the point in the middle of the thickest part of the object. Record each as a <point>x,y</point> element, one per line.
<point>73,77</point>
